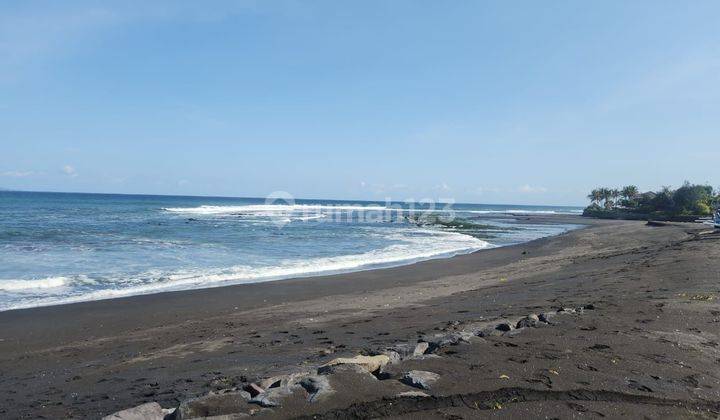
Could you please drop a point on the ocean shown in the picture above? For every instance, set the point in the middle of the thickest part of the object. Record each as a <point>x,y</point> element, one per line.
<point>67,247</point>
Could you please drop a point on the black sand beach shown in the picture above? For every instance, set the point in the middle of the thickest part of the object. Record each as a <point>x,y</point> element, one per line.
<point>639,337</point>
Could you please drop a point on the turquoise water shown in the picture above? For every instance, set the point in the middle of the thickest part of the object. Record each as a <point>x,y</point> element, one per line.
<point>60,248</point>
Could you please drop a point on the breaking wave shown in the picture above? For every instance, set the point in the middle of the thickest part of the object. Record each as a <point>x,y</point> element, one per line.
<point>414,245</point>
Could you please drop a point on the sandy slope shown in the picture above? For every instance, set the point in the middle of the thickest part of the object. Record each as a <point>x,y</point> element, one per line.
<point>649,346</point>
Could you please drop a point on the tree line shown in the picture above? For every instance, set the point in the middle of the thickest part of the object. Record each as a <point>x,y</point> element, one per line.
<point>688,200</point>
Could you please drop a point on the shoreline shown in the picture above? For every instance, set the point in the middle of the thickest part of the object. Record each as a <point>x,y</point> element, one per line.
<point>525,218</point>
<point>99,357</point>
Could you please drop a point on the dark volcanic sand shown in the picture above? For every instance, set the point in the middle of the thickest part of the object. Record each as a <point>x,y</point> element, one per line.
<point>649,348</point>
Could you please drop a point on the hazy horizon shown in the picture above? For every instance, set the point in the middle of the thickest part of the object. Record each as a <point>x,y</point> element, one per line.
<point>356,200</point>
<point>480,102</point>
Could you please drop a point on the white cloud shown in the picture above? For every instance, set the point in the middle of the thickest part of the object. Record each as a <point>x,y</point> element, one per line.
<point>482,190</point>
<point>442,187</point>
<point>529,189</point>
<point>18,174</point>
<point>70,171</point>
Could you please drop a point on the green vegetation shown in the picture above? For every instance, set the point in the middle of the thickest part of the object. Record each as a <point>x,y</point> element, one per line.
<point>432,219</point>
<point>467,226</point>
<point>685,203</point>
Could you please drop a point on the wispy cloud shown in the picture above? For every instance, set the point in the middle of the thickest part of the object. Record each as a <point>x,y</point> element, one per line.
<point>69,170</point>
<point>441,187</point>
<point>529,189</point>
<point>18,174</point>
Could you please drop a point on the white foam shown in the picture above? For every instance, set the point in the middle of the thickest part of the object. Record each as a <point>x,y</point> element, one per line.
<point>272,209</point>
<point>520,211</point>
<point>23,285</point>
<point>320,210</point>
<point>414,245</point>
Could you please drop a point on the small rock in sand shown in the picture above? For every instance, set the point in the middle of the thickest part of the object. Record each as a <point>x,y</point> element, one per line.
<point>316,387</point>
<point>529,321</point>
<point>488,332</point>
<point>420,379</point>
<point>253,389</point>
<point>545,317</point>
<point>450,339</point>
<point>504,326</point>
<point>403,349</point>
<point>264,400</point>
<point>413,394</point>
<point>369,363</point>
<point>342,368</point>
<point>272,382</point>
<point>149,411</point>
<point>213,404</point>
<point>420,348</point>
<point>393,356</point>
<point>282,381</point>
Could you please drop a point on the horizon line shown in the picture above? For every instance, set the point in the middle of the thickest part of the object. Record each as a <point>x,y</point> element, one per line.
<point>250,197</point>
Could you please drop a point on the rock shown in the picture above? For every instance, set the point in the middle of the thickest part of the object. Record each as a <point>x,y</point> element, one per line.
<point>420,348</point>
<point>403,349</point>
<point>382,374</point>
<point>425,357</point>
<point>316,387</point>
<point>589,307</point>
<point>564,311</point>
<point>213,404</point>
<point>264,400</point>
<point>343,368</point>
<point>545,317</point>
<point>420,379</point>
<point>369,363</point>
<point>281,381</point>
<point>488,331</point>
<point>272,382</point>
<point>257,412</point>
<point>253,389</point>
<point>413,394</point>
<point>450,339</point>
<point>148,411</point>
<point>504,327</point>
<point>393,356</point>
<point>529,321</point>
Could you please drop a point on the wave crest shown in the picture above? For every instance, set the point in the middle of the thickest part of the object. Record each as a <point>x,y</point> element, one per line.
<point>27,285</point>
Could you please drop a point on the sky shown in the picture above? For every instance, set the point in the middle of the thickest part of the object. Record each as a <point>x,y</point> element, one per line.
<point>521,102</point>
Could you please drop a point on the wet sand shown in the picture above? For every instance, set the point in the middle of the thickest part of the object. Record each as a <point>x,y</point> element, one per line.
<point>647,345</point>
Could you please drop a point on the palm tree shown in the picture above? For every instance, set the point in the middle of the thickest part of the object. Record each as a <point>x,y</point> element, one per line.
<point>614,195</point>
<point>606,194</point>
<point>629,192</point>
<point>595,196</point>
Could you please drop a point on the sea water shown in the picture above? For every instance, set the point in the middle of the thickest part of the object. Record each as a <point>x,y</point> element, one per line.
<point>64,247</point>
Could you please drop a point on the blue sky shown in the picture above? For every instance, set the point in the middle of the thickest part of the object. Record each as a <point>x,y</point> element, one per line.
<point>480,101</point>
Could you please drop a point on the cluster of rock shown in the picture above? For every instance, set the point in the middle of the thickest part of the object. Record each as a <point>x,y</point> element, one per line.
<point>317,384</point>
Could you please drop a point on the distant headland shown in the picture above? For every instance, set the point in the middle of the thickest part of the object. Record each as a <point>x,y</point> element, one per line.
<point>687,203</point>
